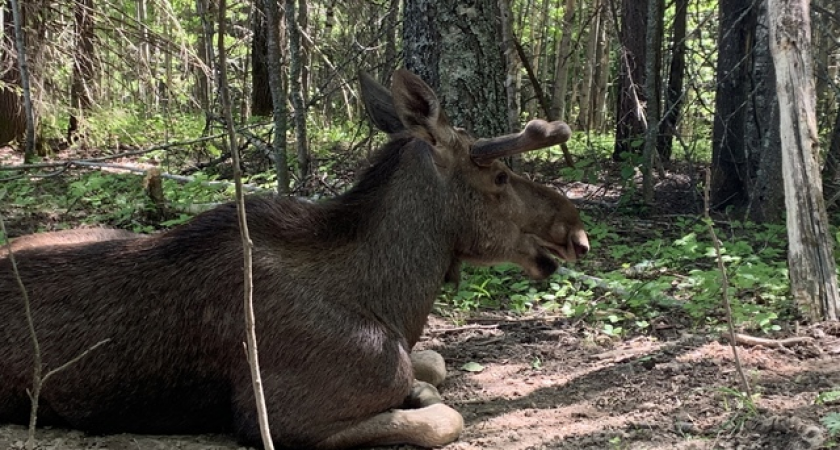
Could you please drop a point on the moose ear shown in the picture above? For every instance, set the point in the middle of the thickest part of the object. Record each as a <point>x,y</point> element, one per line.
<point>419,108</point>
<point>380,105</point>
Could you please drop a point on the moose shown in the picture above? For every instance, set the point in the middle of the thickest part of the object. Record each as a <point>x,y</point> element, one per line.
<point>342,289</point>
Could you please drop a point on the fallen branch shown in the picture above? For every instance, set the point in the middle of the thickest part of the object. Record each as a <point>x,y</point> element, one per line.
<point>180,178</point>
<point>463,328</point>
<point>754,341</point>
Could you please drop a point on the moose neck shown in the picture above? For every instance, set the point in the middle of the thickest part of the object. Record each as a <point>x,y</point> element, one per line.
<point>401,253</point>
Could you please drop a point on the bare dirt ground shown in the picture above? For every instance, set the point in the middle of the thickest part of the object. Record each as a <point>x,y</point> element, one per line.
<point>551,384</point>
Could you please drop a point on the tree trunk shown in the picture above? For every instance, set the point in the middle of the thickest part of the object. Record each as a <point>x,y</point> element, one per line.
<point>512,64</point>
<point>602,74</point>
<point>471,72</point>
<point>654,14</point>
<point>730,165</point>
<point>676,73</point>
<point>563,56</point>
<point>831,170</point>
<point>207,56</point>
<point>591,59</point>
<point>296,91</point>
<point>630,127</point>
<point>261,104</point>
<point>767,198</point>
<point>12,117</point>
<point>277,90</point>
<point>810,253</point>
<point>421,40</point>
<point>391,21</point>
<point>84,66</point>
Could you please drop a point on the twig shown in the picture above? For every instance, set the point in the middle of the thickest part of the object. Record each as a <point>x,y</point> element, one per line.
<point>463,328</point>
<point>724,287</point>
<point>764,342</point>
<point>247,245</point>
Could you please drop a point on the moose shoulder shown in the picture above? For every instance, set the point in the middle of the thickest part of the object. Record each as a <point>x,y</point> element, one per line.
<point>342,289</point>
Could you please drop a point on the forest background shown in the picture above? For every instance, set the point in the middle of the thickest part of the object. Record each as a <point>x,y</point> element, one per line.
<point>127,87</point>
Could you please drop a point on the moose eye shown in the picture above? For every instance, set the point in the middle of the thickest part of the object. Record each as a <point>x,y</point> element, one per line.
<point>501,178</point>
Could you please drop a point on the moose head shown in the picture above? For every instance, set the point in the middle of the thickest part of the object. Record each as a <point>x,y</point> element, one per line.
<point>503,216</point>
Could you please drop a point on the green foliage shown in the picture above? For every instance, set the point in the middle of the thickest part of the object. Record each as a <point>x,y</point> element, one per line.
<point>115,199</point>
<point>642,279</point>
<point>827,397</point>
<point>831,422</point>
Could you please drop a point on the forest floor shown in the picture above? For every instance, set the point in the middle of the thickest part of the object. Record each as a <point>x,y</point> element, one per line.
<point>548,384</point>
<point>555,383</point>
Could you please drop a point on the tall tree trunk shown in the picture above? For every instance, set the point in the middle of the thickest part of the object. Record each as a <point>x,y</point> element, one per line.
<point>813,279</point>
<point>591,59</point>
<point>391,21</point>
<point>512,64</point>
<point>29,151</point>
<point>84,65</point>
<point>296,91</point>
<point>12,117</point>
<point>602,74</point>
<point>654,14</point>
<point>471,72</point>
<point>277,88</point>
<point>730,166</point>
<point>261,104</point>
<point>767,198</point>
<point>831,170</point>
<point>207,56</point>
<point>563,55</point>
<point>675,92</point>
<point>630,127</point>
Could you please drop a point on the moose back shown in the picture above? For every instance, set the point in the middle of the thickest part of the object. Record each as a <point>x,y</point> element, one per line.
<point>342,289</point>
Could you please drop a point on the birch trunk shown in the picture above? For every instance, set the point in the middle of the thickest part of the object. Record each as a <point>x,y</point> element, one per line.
<point>810,255</point>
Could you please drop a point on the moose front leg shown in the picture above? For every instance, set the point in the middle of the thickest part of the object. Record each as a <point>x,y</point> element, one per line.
<point>428,366</point>
<point>431,426</point>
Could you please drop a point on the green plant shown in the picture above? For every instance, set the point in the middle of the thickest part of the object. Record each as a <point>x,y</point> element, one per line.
<point>831,422</point>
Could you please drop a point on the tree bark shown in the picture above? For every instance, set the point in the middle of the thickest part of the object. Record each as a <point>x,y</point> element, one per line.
<point>261,104</point>
<point>767,198</point>
<point>83,83</point>
<point>12,117</point>
<point>421,41</point>
<point>470,74</point>
<point>676,74</point>
<point>29,151</point>
<point>563,55</point>
<point>730,166</point>
<point>810,254</point>
<point>584,120</point>
<point>296,90</point>
<point>277,89</point>
<point>630,126</point>
<point>652,93</point>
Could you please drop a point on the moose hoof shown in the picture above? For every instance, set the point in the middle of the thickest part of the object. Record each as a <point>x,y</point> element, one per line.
<point>438,425</point>
<point>429,367</point>
<point>422,394</point>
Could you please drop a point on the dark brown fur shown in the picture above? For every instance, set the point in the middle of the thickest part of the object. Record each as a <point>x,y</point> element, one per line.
<point>67,237</point>
<point>342,289</point>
